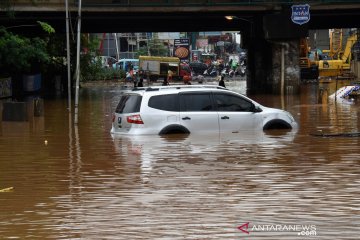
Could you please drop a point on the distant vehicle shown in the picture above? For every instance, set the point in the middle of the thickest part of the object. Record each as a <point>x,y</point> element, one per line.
<point>193,109</point>
<point>106,61</point>
<point>158,67</point>
<point>198,67</point>
<point>211,71</point>
<point>125,63</point>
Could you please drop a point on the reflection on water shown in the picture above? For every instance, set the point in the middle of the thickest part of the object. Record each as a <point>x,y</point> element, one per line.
<point>87,184</point>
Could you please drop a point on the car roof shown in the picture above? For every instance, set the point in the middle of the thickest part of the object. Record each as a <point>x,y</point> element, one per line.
<point>173,89</point>
<point>128,60</point>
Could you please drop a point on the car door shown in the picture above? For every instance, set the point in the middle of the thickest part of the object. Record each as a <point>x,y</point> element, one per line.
<point>197,112</point>
<point>236,113</point>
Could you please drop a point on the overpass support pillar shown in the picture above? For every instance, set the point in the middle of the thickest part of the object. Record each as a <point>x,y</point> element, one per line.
<point>274,67</point>
<point>273,54</point>
<point>286,68</point>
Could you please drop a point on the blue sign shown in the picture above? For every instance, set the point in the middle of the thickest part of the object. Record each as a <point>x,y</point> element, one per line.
<point>300,13</point>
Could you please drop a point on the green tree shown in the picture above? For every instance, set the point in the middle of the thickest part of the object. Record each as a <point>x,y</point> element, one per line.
<point>21,54</point>
<point>155,48</point>
<point>90,65</point>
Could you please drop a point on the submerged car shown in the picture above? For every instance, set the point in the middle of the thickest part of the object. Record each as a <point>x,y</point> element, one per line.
<point>193,109</point>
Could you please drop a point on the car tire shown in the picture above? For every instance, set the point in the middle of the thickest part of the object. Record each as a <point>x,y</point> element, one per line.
<point>277,124</point>
<point>175,128</point>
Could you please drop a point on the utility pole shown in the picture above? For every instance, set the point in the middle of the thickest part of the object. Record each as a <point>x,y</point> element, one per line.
<point>117,47</point>
<point>68,54</point>
<point>77,66</point>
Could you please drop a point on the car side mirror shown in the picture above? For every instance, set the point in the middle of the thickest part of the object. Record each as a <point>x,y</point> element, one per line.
<point>257,109</point>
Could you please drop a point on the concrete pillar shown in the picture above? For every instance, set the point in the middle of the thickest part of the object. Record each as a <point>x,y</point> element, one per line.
<point>274,67</point>
<point>285,67</point>
<point>259,68</point>
<point>273,54</point>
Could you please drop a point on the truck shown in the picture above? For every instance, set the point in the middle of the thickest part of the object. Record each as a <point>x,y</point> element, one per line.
<point>155,67</point>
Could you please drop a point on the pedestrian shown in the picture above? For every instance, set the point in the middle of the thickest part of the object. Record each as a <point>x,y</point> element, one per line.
<point>165,82</point>
<point>187,80</point>
<point>140,84</point>
<point>169,76</point>
<point>135,79</point>
<point>128,76</point>
<point>222,82</point>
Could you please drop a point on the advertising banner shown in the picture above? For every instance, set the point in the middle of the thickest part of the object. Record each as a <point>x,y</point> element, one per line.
<point>181,49</point>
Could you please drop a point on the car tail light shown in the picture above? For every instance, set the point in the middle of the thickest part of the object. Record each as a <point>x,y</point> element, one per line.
<point>113,118</point>
<point>136,119</point>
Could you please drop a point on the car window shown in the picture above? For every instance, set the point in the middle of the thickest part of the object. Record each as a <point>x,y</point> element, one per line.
<point>168,102</point>
<point>129,104</point>
<point>191,102</point>
<point>226,102</point>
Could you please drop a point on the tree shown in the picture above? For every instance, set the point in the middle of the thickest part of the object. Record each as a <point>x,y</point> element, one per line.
<point>18,53</point>
<point>155,48</point>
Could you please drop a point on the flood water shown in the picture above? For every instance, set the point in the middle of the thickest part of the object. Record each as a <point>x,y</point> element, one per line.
<point>80,182</point>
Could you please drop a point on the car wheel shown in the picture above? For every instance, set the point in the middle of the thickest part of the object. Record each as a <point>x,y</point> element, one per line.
<point>174,129</point>
<point>277,124</point>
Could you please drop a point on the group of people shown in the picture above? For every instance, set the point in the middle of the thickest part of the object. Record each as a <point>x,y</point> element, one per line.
<point>187,81</point>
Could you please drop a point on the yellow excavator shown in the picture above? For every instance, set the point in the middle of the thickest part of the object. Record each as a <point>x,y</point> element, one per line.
<point>308,66</point>
<point>339,59</point>
<point>327,63</point>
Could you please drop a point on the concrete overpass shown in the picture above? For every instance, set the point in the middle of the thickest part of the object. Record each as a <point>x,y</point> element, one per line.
<point>266,25</point>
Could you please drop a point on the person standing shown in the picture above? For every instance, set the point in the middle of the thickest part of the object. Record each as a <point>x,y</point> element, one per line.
<point>169,76</point>
<point>135,79</point>
<point>165,82</point>
<point>140,84</point>
<point>222,82</point>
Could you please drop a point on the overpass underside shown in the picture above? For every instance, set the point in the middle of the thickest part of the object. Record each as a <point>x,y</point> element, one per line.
<point>270,36</point>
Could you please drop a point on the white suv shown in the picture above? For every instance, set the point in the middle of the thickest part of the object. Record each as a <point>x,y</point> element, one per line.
<point>193,109</point>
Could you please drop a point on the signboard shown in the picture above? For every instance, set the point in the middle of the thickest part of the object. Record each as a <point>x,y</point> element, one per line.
<point>300,13</point>
<point>181,48</point>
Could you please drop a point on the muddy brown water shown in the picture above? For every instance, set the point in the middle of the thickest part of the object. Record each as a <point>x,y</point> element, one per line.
<point>80,182</point>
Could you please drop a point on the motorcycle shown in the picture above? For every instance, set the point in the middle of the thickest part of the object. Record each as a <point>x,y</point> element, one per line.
<point>211,71</point>
<point>227,71</point>
<point>242,70</point>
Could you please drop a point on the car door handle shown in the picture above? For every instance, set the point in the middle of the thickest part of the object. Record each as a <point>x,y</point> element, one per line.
<point>225,117</point>
<point>186,118</point>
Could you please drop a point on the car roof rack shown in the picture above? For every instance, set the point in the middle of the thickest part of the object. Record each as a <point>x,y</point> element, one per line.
<point>157,88</point>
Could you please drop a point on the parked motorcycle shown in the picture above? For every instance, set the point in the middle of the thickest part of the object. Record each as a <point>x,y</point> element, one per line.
<point>211,71</point>
<point>227,71</point>
<point>242,70</point>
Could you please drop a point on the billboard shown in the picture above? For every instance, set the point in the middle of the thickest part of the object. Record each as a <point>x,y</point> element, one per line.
<point>181,49</point>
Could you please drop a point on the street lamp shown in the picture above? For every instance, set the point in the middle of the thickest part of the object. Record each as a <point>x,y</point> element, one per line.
<point>230,18</point>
